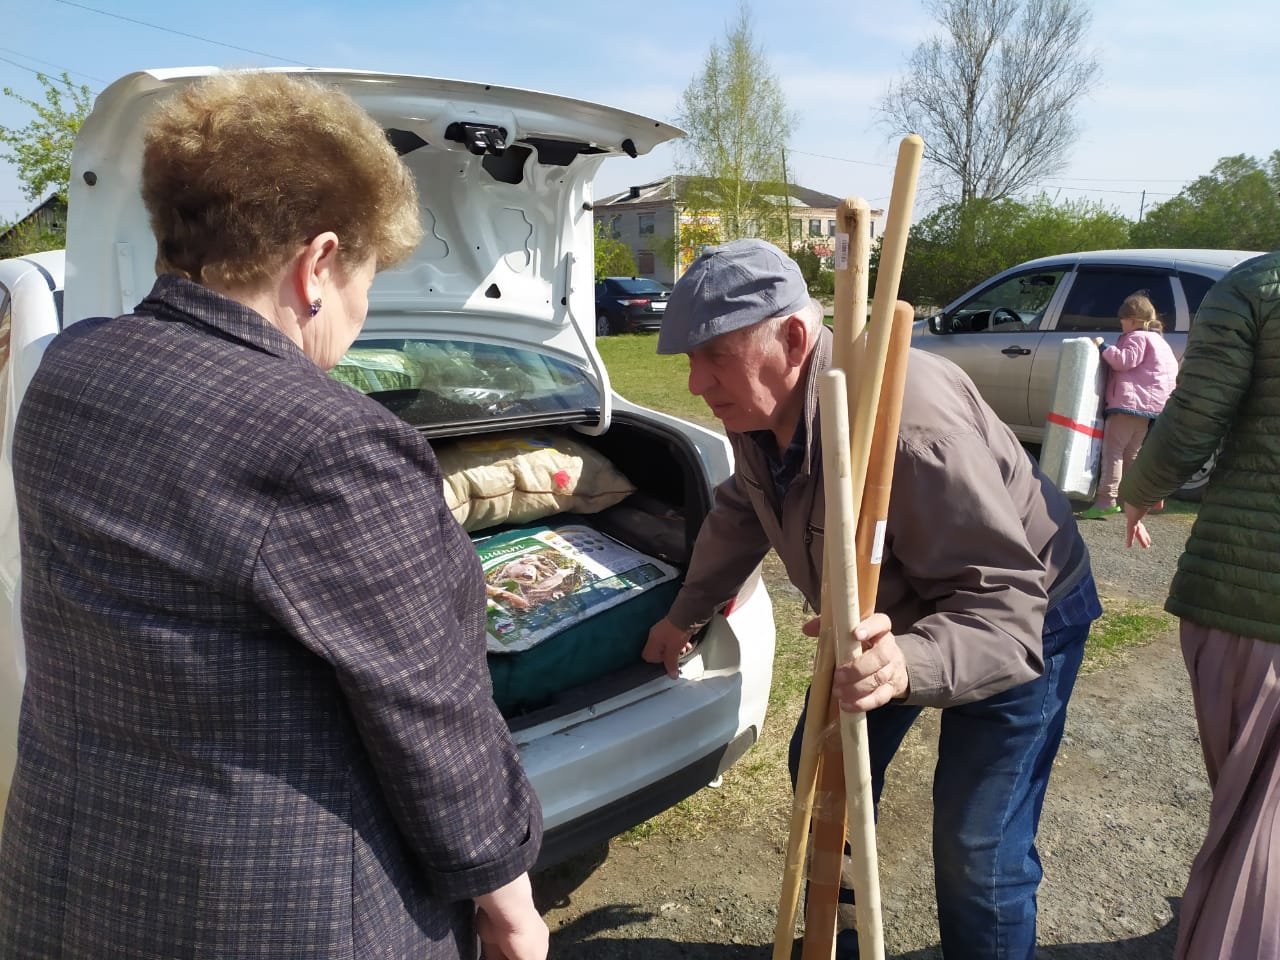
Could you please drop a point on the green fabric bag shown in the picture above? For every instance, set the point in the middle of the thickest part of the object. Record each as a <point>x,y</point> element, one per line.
<point>565,607</point>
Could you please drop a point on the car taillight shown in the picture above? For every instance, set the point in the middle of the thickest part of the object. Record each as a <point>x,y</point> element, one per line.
<point>642,302</point>
<point>743,596</point>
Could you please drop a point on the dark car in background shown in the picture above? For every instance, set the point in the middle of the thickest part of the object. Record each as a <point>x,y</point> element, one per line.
<point>629,305</point>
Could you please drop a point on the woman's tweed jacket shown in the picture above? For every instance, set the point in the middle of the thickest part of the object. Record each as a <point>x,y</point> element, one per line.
<point>1228,392</point>
<point>257,721</point>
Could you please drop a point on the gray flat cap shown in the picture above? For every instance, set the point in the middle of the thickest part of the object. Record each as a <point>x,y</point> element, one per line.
<point>729,287</point>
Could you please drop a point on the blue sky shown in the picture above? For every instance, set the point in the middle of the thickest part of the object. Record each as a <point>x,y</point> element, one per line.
<point>1182,82</point>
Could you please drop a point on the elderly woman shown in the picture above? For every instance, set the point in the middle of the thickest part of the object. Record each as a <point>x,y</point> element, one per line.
<point>257,721</point>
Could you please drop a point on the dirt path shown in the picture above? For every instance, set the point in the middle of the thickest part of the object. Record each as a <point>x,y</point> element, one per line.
<point>1125,814</point>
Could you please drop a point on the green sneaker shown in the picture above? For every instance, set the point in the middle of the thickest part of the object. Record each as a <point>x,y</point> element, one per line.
<point>1101,513</point>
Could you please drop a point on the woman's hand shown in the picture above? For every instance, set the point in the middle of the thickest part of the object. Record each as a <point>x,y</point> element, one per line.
<point>1134,528</point>
<point>509,925</point>
<point>878,675</point>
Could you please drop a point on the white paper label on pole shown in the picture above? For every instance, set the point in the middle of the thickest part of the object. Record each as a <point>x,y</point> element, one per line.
<point>877,545</point>
<point>842,251</point>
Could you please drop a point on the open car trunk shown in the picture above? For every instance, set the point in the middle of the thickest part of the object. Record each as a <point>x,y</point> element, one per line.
<point>610,574</point>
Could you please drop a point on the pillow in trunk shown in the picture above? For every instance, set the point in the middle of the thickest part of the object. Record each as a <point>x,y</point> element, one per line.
<point>518,478</point>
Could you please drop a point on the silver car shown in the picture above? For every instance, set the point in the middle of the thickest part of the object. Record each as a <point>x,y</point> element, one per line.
<point>1005,332</point>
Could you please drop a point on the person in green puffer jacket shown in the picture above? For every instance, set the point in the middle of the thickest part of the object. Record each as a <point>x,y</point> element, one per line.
<point>1227,594</point>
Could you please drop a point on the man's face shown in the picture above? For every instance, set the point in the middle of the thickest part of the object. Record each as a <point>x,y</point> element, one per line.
<point>742,379</point>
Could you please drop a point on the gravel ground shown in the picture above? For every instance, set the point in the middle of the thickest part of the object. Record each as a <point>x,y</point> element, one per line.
<point>1126,811</point>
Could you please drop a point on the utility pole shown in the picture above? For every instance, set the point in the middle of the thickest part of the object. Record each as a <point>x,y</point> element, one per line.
<point>1142,205</point>
<point>786,198</point>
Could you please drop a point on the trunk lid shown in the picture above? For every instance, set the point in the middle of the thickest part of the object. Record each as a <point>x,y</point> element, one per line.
<point>505,179</point>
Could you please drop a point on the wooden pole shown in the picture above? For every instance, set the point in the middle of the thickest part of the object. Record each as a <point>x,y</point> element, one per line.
<point>831,798</point>
<point>892,252</point>
<point>874,512</point>
<point>869,366</point>
<point>802,800</point>
<point>841,567</point>
<point>825,796</point>
<point>826,859</point>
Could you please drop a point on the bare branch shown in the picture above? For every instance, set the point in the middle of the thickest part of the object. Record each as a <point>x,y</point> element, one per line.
<point>994,95</point>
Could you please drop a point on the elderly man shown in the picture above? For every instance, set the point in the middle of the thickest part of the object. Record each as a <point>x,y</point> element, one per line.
<point>985,594</point>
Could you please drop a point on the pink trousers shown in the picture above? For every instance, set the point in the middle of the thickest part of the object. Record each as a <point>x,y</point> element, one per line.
<point>1122,436</point>
<point>1231,907</point>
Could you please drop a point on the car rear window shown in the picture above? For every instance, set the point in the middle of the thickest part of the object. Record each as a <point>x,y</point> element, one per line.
<point>635,285</point>
<point>450,383</point>
<point>1096,295</point>
<point>1194,287</point>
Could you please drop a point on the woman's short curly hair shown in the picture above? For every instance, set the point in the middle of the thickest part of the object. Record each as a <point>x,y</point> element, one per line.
<point>239,170</point>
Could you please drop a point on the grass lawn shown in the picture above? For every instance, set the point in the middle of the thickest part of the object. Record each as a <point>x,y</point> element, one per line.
<point>658,382</point>
<point>757,786</point>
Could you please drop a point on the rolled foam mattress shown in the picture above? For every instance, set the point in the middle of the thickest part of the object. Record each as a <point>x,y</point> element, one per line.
<point>1071,452</point>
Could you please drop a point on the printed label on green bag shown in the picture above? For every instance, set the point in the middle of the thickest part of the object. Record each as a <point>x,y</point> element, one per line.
<point>540,582</point>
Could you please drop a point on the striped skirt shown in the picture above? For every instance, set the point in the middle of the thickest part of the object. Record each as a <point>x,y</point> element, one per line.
<point>1231,907</point>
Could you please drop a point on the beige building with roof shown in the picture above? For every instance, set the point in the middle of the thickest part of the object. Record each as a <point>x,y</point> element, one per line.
<point>651,219</point>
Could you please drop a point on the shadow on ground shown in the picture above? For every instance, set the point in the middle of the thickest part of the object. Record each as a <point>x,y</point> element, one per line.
<point>579,941</point>
<point>582,938</point>
<point>552,887</point>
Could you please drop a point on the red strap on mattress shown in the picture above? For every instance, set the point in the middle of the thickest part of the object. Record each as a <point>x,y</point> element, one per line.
<point>1070,424</point>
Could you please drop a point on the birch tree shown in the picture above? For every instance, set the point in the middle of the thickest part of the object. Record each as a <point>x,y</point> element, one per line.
<point>738,124</point>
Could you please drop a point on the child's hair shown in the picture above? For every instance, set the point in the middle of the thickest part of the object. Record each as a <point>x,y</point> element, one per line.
<point>1138,306</point>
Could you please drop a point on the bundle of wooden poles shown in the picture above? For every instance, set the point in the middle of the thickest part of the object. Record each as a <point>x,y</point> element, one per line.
<point>859,437</point>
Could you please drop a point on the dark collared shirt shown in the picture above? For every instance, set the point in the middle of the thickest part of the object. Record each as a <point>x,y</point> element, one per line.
<point>782,467</point>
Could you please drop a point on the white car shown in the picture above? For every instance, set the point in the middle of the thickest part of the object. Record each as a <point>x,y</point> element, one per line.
<point>500,291</point>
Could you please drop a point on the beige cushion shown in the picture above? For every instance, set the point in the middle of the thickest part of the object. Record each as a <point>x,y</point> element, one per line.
<point>518,478</point>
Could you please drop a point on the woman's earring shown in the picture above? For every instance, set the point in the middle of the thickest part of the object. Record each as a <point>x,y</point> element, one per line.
<point>315,306</point>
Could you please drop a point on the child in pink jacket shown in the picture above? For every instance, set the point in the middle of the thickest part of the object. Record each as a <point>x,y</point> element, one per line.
<point>1143,373</point>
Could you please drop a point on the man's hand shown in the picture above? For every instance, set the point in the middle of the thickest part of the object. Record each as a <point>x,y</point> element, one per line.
<point>876,677</point>
<point>1134,528</point>
<point>667,643</point>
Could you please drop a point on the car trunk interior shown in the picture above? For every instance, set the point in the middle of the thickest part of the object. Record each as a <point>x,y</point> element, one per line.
<point>660,520</point>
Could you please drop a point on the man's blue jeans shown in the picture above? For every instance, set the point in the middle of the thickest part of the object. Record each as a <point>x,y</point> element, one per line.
<point>994,759</point>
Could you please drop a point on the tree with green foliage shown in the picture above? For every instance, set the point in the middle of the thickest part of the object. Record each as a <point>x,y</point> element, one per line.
<point>1235,207</point>
<point>613,257</point>
<point>994,95</point>
<point>693,233</point>
<point>41,150</point>
<point>960,244</point>
<point>819,280</point>
<point>738,124</point>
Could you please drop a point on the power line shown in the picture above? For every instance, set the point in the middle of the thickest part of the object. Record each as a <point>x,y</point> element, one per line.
<point>23,66</point>
<point>50,63</point>
<point>1121,179</point>
<point>1131,193</point>
<point>180,33</point>
<point>865,163</point>
<point>888,166</point>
